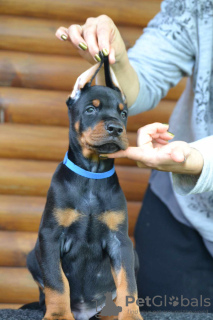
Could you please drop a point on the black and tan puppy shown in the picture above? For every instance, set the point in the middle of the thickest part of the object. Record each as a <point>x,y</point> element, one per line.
<point>83,249</point>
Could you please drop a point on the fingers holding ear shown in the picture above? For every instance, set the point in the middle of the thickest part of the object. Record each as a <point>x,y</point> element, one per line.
<point>75,32</point>
<point>95,35</point>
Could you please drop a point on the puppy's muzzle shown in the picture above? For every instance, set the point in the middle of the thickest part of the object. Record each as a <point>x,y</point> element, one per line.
<point>113,128</point>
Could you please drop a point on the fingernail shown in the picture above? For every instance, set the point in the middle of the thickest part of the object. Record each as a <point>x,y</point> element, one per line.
<point>105,52</point>
<point>171,134</point>
<point>184,159</point>
<point>138,164</point>
<point>165,124</point>
<point>103,156</point>
<point>82,46</point>
<point>97,58</point>
<point>64,37</point>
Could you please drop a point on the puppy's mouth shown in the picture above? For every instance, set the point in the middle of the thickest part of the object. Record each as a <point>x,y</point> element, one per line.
<point>107,147</point>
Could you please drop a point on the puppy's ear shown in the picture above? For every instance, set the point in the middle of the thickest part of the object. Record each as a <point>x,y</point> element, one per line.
<point>110,77</point>
<point>82,80</point>
<point>108,74</point>
<point>116,84</point>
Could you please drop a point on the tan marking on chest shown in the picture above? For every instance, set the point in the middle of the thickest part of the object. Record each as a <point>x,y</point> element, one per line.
<point>112,219</point>
<point>66,217</point>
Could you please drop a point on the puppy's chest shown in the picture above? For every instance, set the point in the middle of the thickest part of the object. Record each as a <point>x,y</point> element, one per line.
<point>90,213</point>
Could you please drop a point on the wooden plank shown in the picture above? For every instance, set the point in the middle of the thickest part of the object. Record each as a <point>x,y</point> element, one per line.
<point>40,71</point>
<point>133,181</point>
<point>22,213</point>
<point>138,14</point>
<point>33,142</point>
<point>49,72</point>
<point>38,35</point>
<point>15,246</point>
<point>19,213</point>
<point>32,178</point>
<point>22,105</point>
<point>9,306</point>
<point>19,177</point>
<point>133,208</point>
<point>26,106</point>
<point>17,286</point>
<point>161,113</point>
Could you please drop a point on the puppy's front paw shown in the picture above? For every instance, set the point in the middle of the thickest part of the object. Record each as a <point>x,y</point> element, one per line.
<point>133,317</point>
<point>59,317</point>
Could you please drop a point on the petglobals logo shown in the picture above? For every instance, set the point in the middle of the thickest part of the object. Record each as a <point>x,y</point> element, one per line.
<point>164,301</point>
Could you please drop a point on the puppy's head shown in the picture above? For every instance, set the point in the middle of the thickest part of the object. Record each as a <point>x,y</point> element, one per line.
<point>98,116</point>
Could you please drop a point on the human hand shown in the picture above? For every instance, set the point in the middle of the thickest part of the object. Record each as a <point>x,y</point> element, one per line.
<point>96,34</point>
<point>154,151</point>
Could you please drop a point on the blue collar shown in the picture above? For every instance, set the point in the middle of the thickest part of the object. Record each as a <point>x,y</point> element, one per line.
<point>85,173</point>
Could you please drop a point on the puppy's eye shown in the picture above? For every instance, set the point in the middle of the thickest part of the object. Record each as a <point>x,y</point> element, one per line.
<point>123,114</point>
<point>90,110</point>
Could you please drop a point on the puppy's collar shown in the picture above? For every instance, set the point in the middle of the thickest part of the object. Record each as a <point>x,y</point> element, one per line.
<point>84,173</point>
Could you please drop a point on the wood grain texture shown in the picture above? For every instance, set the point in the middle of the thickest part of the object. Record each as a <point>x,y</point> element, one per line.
<point>137,13</point>
<point>20,213</point>
<point>31,106</point>
<point>10,306</point>
<point>17,286</point>
<point>47,107</point>
<point>23,213</point>
<point>33,142</point>
<point>133,208</point>
<point>38,35</point>
<point>51,72</point>
<point>161,113</point>
<point>32,178</point>
<point>40,71</point>
<point>14,247</point>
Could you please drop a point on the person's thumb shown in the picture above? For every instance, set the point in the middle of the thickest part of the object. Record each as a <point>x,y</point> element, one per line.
<point>180,153</point>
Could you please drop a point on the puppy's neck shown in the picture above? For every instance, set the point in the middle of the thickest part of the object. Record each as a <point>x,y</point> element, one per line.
<point>93,163</point>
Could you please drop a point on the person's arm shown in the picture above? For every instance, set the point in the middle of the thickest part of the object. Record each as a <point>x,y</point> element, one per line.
<point>191,184</point>
<point>163,54</point>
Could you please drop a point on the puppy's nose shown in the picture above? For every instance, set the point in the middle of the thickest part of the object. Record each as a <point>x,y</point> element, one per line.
<point>114,129</point>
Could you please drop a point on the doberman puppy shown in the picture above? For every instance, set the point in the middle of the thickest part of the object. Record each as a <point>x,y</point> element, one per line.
<point>83,249</point>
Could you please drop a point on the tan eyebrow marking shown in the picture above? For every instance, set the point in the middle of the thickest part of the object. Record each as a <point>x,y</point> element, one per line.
<point>121,106</point>
<point>96,103</point>
<point>77,126</point>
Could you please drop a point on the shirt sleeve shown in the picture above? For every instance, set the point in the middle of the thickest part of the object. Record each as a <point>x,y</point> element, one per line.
<point>163,54</point>
<point>190,184</point>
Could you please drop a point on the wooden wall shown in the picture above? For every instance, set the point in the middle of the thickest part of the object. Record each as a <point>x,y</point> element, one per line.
<point>36,74</point>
